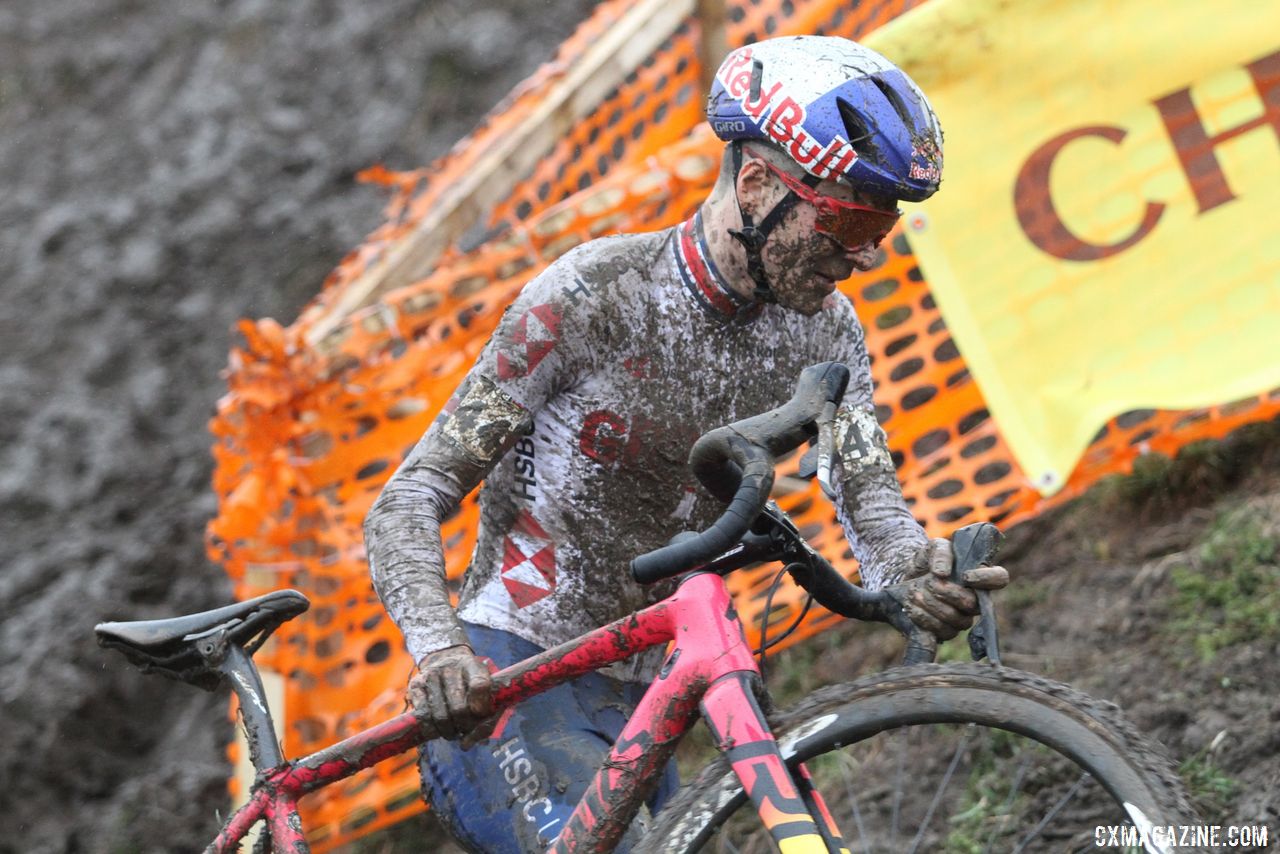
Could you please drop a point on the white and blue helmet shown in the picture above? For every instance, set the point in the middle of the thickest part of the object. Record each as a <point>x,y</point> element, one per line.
<point>840,110</point>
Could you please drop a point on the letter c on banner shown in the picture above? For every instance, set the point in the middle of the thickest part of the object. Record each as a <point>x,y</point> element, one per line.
<point>1039,218</point>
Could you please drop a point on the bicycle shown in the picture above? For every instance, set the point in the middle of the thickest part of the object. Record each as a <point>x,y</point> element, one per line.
<point>774,762</point>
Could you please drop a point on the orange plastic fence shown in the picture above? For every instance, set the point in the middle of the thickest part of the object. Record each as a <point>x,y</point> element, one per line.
<point>306,436</point>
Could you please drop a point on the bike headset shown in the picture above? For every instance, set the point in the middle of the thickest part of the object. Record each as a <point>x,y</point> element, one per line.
<point>836,108</point>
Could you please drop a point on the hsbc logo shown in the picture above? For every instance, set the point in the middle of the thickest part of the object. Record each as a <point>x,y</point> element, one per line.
<point>535,335</point>
<point>528,561</point>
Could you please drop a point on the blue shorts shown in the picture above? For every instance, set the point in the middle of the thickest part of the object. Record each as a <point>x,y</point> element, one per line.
<point>514,793</point>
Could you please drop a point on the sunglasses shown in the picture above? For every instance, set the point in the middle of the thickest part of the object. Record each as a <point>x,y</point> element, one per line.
<point>848,223</point>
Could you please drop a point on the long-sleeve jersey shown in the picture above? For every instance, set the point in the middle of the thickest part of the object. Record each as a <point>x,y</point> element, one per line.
<point>579,415</point>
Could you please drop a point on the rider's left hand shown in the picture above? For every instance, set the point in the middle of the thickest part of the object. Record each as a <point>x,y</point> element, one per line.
<point>933,601</point>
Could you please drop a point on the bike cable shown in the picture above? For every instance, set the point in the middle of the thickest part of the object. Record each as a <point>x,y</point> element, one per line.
<point>765,643</point>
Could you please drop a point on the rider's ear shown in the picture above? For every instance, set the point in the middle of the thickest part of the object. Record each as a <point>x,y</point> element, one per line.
<point>753,185</point>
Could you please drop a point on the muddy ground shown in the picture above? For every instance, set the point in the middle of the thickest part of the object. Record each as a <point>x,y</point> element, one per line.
<point>164,170</point>
<point>168,168</point>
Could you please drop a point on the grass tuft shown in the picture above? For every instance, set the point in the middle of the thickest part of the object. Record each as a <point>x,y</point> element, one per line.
<point>1229,593</point>
<point>1211,789</point>
<point>1203,469</point>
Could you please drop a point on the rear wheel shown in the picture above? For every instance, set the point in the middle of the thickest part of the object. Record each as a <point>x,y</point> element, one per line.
<point>952,758</point>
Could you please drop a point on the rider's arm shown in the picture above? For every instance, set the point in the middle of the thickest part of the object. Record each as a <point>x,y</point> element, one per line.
<point>534,352</point>
<point>402,530</point>
<point>883,534</point>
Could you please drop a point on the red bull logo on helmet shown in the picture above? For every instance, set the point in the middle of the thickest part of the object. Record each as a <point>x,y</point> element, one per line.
<point>929,170</point>
<point>925,173</point>
<point>782,119</point>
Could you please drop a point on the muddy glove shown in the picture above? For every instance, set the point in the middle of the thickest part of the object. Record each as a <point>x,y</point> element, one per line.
<point>453,690</point>
<point>933,601</point>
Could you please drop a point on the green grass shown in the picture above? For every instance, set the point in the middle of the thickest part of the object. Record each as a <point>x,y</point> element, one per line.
<point>1210,788</point>
<point>955,650</point>
<point>1229,592</point>
<point>986,790</point>
<point>1158,483</point>
<point>1020,594</point>
<point>1206,468</point>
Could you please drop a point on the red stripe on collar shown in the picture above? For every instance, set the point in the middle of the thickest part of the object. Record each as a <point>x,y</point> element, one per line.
<point>697,267</point>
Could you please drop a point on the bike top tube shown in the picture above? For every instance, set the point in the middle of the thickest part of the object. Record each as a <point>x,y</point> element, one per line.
<point>699,617</point>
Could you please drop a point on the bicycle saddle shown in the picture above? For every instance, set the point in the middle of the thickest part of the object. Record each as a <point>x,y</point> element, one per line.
<point>169,646</point>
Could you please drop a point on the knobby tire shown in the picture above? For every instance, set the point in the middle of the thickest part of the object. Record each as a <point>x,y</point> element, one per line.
<point>1092,735</point>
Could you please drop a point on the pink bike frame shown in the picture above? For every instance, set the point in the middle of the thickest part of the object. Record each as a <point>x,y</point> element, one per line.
<point>709,668</point>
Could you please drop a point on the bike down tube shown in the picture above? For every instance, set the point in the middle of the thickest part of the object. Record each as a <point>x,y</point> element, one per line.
<point>742,734</point>
<point>709,644</point>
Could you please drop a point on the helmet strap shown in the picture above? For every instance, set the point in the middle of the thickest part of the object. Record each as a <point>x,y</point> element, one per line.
<point>753,237</point>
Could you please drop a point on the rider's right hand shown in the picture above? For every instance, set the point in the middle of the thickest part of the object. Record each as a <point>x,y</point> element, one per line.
<point>932,600</point>
<point>453,690</point>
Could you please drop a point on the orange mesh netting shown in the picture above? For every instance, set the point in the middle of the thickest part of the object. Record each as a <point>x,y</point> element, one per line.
<point>306,436</point>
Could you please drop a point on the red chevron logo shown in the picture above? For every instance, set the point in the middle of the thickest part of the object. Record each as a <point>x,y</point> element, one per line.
<point>538,330</point>
<point>528,562</point>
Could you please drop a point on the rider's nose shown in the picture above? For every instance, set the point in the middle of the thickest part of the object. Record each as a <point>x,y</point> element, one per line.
<point>863,256</point>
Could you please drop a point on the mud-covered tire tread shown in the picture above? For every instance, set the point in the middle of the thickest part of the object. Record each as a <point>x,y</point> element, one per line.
<point>1144,756</point>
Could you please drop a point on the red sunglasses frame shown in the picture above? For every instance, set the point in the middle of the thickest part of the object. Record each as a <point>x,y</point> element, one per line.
<point>848,223</point>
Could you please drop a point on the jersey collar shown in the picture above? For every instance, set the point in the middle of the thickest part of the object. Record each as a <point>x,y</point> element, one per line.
<point>703,280</point>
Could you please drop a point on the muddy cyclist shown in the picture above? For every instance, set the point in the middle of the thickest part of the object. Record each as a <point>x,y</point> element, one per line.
<point>579,414</point>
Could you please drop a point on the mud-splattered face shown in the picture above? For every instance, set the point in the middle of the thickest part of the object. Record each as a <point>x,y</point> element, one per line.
<point>803,264</point>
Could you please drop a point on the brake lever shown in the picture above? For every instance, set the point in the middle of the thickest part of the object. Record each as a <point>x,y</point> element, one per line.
<point>826,449</point>
<point>973,546</point>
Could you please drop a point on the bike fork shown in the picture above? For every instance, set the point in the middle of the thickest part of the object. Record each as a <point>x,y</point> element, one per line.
<point>740,731</point>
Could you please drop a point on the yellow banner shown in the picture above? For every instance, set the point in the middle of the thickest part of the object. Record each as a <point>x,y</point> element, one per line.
<point>1107,237</point>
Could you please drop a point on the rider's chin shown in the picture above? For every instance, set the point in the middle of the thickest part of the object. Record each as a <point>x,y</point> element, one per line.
<point>827,282</point>
<point>808,303</point>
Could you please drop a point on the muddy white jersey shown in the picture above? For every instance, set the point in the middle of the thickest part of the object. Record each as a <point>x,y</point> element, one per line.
<point>579,415</point>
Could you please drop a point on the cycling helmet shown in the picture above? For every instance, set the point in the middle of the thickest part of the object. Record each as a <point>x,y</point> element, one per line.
<point>840,110</point>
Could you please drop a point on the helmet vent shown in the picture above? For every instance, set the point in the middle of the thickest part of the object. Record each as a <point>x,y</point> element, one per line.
<point>894,99</point>
<point>855,129</point>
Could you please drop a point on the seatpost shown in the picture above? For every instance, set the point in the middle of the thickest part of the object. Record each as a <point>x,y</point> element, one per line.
<point>237,666</point>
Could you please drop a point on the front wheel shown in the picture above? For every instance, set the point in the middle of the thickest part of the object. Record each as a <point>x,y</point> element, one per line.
<point>958,758</point>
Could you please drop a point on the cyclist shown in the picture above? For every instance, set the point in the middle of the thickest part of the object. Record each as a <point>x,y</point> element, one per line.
<point>580,412</point>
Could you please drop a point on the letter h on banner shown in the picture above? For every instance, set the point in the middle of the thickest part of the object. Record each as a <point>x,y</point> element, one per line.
<point>1195,147</point>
